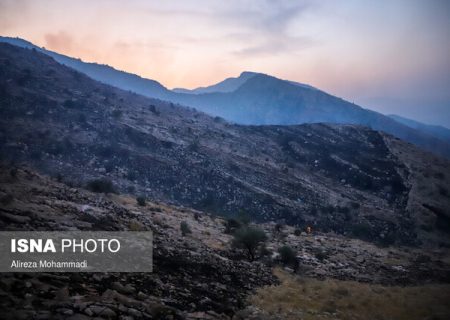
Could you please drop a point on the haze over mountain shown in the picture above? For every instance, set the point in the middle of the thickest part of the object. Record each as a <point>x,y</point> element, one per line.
<point>437,131</point>
<point>258,99</point>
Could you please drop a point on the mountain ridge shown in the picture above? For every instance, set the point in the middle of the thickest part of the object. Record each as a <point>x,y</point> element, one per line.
<point>297,104</point>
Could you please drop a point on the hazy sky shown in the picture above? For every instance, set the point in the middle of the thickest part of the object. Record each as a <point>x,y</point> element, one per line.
<point>392,56</point>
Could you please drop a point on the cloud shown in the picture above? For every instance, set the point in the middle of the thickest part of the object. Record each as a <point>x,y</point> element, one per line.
<point>265,28</point>
<point>276,45</point>
<point>61,41</point>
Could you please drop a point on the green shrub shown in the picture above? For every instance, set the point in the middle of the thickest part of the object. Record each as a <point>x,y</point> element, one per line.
<point>141,201</point>
<point>249,239</point>
<point>287,255</point>
<point>185,229</point>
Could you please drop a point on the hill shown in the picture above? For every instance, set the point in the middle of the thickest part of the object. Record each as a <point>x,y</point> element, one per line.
<point>343,178</point>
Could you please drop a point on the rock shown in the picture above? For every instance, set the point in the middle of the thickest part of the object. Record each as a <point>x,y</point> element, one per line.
<point>127,289</point>
<point>65,311</point>
<point>15,218</point>
<point>100,311</point>
<point>134,313</point>
<point>78,316</point>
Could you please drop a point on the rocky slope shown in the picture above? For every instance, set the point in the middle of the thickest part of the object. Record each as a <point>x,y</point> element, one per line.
<point>198,276</point>
<point>347,179</point>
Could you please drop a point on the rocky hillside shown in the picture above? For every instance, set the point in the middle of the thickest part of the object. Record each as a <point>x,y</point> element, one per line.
<point>347,179</point>
<point>196,276</point>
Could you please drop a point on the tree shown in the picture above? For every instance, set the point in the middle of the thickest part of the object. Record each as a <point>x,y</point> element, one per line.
<point>184,227</point>
<point>249,239</point>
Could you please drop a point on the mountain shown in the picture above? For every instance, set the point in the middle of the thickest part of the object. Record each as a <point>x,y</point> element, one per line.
<point>263,99</point>
<point>227,85</point>
<point>99,72</point>
<point>256,99</point>
<point>437,131</point>
<point>232,84</point>
<point>343,178</point>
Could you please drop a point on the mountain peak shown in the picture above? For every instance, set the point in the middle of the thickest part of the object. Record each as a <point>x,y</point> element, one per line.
<point>249,74</point>
<point>228,85</point>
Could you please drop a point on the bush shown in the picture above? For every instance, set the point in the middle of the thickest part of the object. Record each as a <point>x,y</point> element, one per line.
<point>231,225</point>
<point>141,201</point>
<point>184,227</point>
<point>101,186</point>
<point>249,239</point>
<point>287,255</point>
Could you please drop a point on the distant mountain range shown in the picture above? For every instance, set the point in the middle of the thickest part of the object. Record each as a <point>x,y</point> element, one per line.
<point>260,99</point>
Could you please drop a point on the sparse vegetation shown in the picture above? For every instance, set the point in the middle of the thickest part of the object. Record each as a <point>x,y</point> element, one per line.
<point>250,239</point>
<point>309,299</point>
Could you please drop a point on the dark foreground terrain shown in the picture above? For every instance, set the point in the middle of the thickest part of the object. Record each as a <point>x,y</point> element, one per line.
<point>200,275</point>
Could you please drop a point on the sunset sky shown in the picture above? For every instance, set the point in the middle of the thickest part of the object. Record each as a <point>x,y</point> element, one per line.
<point>392,56</point>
